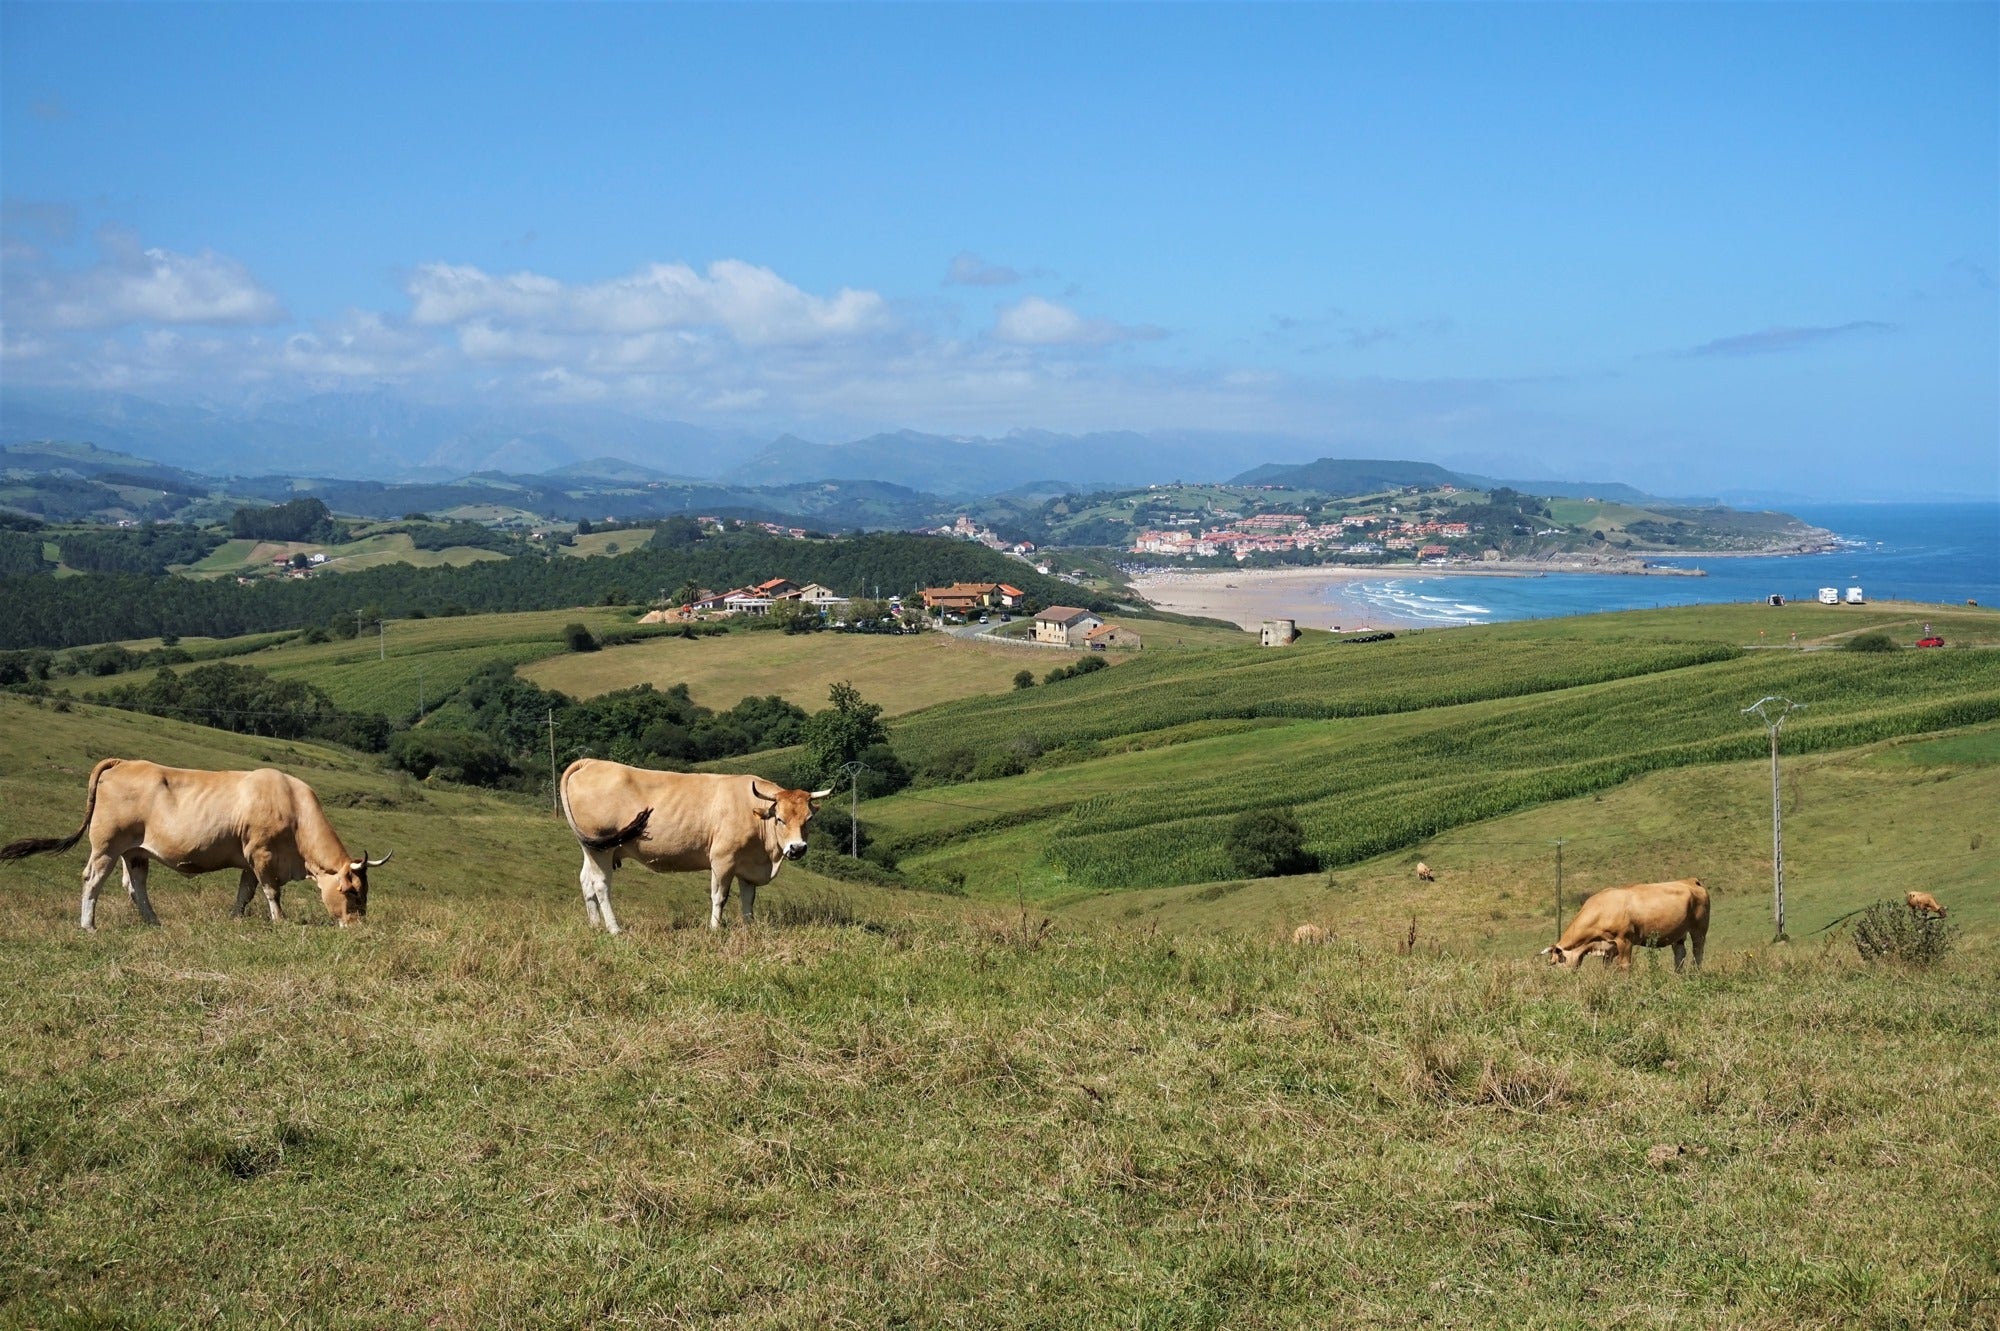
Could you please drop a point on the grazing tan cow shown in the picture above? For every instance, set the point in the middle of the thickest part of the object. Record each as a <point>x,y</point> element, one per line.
<point>1614,921</point>
<point>1424,872</point>
<point>264,823</point>
<point>1309,933</point>
<point>1923,903</point>
<point>738,828</point>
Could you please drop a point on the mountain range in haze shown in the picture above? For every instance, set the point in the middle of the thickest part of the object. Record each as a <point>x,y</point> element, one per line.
<point>383,436</point>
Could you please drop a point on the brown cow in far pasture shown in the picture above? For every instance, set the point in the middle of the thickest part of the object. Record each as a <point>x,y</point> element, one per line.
<point>266,824</point>
<point>1424,872</point>
<point>1923,903</point>
<point>1614,921</point>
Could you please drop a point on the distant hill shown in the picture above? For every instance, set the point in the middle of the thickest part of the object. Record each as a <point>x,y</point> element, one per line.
<point>610,469</point>
<point>1350,476</point>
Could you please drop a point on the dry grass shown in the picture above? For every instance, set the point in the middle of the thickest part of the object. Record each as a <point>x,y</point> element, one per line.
<point>902,673</point>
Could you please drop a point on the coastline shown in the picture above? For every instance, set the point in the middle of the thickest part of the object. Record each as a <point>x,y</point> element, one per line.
<point>1247,597</point>
<point>1309,594</point>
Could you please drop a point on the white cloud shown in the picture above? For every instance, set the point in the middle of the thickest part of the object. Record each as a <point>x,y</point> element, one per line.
<point>969,270</point>
<point>749,303</point>
<point>131,284</point>
<point>360,345</point>
<point>1038,322</point>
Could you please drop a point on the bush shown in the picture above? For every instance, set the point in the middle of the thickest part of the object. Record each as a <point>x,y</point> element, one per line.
<point>471,760</point>
<point>1265,842</point>
<point>1871,642</point>
<point>578,638</point>
<point>1024,679</point>
<point>1890,930</point>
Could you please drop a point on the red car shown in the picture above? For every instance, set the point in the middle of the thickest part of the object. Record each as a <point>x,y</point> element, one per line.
<point>1930,642</point>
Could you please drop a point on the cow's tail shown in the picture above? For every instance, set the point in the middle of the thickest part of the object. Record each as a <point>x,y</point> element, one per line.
<point>44,845</point>
<point>632,831</point>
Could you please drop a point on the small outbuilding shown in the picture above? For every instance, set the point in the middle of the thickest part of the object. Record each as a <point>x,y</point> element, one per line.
<point>1113,635</point>
<point>1278,633</point>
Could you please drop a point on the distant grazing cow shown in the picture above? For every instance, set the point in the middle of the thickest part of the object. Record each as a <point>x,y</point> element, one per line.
<point>1424,872</point>
<point>1309,933</point>
<point>264,823</point>
<point>738,828</point>
<point>1614,921</point>
<point>1923,903</point>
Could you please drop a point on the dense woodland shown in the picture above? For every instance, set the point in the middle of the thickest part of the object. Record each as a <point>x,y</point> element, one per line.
<point>41,611</point>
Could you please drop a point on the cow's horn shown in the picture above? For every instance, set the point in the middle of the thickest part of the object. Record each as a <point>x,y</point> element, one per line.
<point>822,794</point>
<point>760,794</point>
<point>376,864</point>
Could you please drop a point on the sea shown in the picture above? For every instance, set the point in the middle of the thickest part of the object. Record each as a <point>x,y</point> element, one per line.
<point>1941,553</point>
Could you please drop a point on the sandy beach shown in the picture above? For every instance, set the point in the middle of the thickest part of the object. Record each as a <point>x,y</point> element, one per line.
<point>1247,597</point>
<point>1312,595</point>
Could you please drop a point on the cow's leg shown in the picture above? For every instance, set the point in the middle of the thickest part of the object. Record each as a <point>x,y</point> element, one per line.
<point>1624,953</point>
<point>718,895</point>
<point>1699,937</point>
<point>749,891</point>
<point>246,887</point>
<point>134,867</point>
<point>271,891</point>
<point>596,879</point>
<point>95,872</point>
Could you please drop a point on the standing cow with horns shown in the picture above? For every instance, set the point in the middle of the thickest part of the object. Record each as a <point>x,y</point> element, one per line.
<point>739,828</point>
<point>265,824</point>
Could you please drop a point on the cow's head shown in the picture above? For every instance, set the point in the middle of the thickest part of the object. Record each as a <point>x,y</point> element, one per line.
<point>345,889</point>
<point>1573,957</point>
<point>785,814</point>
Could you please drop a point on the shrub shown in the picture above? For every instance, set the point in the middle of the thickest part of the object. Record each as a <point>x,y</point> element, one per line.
<point>578,638</point>
<point>1871,642</point>
<point>457,756</point>
<point>1024,679</point>
<point>1265,842</point>
<point>1891,930</point>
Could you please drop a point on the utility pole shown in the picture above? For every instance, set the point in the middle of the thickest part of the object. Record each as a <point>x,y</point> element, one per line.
<point>382,639</point>
<point>1772,712</point>
<point>1559,889</point>
<point>555,778</point>
<point>853,773</point>
<point>420,695</point>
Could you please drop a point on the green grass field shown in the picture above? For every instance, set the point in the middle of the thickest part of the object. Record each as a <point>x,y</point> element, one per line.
<point>411,660</point>
<point>1112,1103</point>
<point>254,557</point>
<point>887,1108</point>
<point>902,673</point>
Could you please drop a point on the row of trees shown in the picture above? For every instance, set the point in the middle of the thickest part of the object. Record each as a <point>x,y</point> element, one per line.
<point>250,702</point>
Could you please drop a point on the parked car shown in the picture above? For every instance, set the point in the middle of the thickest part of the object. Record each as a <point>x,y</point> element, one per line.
<point>1932,641</point>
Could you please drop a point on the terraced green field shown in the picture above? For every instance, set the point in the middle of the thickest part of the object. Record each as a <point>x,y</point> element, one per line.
<point>1377,746</point>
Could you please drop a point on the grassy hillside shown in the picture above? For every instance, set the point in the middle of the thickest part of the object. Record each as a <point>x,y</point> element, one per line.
<point>411,658</point>
<point>1377,746</point>
<point>892,1108</point>
<point>241,556</point>
<point>902,673</point>
<point>1860,825</point>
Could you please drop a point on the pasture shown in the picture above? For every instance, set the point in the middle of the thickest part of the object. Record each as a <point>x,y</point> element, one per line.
<point>902,672</point>
<point>1073,1098</point>
<point>1135,774</point>
<point>408,661</point>
<point>889,1108</point>
<point>254,557</point>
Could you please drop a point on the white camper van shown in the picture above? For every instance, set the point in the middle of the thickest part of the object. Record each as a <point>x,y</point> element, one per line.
<point>1829,596</point>
<point>1854,596</point>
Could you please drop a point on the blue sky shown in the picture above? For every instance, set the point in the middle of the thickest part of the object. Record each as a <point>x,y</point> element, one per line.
<point>1689,246</point>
